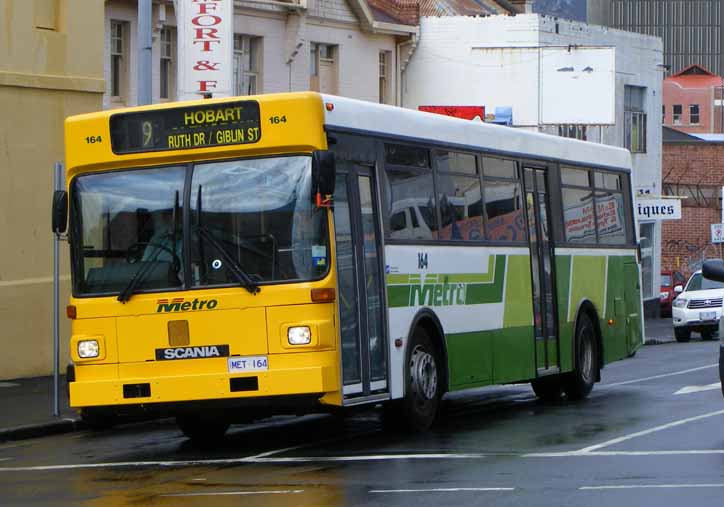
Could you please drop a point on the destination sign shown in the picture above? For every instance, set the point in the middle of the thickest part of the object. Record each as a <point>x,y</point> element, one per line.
<point>186,127</point>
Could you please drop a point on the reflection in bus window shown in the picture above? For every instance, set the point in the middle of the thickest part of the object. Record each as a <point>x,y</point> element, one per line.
<point>578,216</point>
<point>451,161</point>
<point>461,219</point>
<point>577,177</point>
<point>499,168</point>
<point>505,220</point>
<point>412,192</point>
<point>610,218</point>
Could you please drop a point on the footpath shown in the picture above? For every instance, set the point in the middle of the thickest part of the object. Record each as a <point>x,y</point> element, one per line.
<point>26,405</point>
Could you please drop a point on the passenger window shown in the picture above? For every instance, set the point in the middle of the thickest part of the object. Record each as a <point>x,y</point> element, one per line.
<point>412,189</point>
<point>578,215</point>
<point>610,218</point>
<point>499,168</point>
<point>450,161</point>
<point>402,154</point>
<point>576,177</point>
<point>609,181</point>
<point>505,220</point>
<point>457,191</point>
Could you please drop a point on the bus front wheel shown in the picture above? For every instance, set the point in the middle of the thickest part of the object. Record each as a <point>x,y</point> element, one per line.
<point>201,430</point>
<point>423,379</point>
<point>579,383</point>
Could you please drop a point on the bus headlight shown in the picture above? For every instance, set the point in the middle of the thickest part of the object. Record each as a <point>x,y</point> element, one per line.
<point>300,335</point>
<point>88,349</point>
<point>680,302</point>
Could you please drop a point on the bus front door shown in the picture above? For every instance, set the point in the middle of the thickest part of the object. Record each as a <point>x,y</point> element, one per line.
<point>360,281</point>
<point>541,263</point>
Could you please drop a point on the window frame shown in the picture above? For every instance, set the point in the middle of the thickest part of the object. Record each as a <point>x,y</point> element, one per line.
<point>251,45</point>
<point>167,62</point>
<point>692,114</point>
<point>676,117</point>
<point>118,81</point>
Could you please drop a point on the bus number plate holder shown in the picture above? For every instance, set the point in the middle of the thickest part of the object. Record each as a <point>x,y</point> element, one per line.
<point>248,363</point>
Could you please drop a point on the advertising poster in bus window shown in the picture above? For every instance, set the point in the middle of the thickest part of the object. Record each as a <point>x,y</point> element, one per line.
<point>579,220</point>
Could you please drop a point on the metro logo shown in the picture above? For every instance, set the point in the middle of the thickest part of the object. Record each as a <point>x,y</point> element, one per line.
<point>180,305</point>
<point>437,294</point>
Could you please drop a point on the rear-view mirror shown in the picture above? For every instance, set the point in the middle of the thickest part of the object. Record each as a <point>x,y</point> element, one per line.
<point>679,289</point>
<point>713,269</point>
<point>60,211</point>
<point>323,177</point>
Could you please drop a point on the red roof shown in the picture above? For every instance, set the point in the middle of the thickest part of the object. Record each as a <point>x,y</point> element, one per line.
<point>695,76</point>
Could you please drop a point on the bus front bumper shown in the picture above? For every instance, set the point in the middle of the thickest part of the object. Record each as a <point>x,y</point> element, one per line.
<point>140,383</point>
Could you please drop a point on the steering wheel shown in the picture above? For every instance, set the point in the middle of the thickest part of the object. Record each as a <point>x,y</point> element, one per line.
<point>136,250</point>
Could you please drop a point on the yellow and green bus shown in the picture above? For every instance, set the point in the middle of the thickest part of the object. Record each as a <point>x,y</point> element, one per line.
<point>291,253</point>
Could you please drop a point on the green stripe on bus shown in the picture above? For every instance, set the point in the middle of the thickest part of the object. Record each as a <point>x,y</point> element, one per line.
<point>435,289</point>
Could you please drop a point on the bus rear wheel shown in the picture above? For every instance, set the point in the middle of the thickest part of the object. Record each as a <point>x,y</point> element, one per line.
<point>579,383</point>
<point>202,430</point>
<point>423,389</point>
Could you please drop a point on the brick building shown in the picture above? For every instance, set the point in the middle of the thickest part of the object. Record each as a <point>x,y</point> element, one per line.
<point>690,102</point>
<point>692,168</point>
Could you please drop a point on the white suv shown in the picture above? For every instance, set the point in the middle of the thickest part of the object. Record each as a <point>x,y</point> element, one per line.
<point>697,308</point>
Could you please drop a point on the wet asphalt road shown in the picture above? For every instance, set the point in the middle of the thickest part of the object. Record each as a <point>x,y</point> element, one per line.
<point>633,442</point>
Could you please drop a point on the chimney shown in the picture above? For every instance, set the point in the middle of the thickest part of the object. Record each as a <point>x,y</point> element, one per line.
<point>523,6</point>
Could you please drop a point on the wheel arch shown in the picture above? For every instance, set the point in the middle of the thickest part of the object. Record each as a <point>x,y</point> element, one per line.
<point>587,307</point>
<point>428,320</point>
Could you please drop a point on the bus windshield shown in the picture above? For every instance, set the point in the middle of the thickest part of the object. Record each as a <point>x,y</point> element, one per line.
<point>250,219</point>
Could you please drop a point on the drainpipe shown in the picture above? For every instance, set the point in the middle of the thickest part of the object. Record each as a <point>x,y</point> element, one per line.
<point>402,65</point>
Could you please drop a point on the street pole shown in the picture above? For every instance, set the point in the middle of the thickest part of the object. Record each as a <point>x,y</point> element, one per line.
<point>57,185</point>
<point>145,57</point>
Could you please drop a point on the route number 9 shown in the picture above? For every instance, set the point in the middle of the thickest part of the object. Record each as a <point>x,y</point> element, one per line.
<point>147,129</point>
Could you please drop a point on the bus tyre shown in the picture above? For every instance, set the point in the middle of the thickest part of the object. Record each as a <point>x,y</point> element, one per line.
<point>547,388</point>
<point>202,431</point>
<point>682,334</point>
<point>579,382</point>
<point>417,410</point>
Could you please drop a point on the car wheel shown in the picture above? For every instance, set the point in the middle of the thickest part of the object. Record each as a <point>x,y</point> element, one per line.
<point>579,383</point>
<point>682,334</point>
<point>423,374</point>
<point>707,335</point>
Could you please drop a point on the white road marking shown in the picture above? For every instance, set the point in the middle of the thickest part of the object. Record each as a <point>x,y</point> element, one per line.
<point>438,490</point>
<point>664,375</point>
<point>5,459</point>
<point>649,431</point>
<point>232,461</point>
<point>698,389</point>
<point>8,384</point>
<point>239,493</point>
<point>652,486</point>
<point>570,454</point>
<point>367,457</point>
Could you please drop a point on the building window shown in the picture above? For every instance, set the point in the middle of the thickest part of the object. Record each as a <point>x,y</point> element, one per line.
<point>384,96</point>
<point>323,67</point>
<point>247,51</point>
<point>694,114</point>
<point>663,114</point>
<point>677,114</point>
<point>646,242</point>
<point>168,68</point>
<point>573,131</point>
<point>119,57</point>
<point>635,118</point>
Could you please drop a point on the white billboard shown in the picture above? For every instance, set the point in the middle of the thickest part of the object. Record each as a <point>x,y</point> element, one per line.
<point>577,85</point>
<point>205,48</point>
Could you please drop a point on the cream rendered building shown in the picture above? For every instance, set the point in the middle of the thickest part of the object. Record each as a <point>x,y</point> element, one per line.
<point>353,48</point>
<point>51,67</point>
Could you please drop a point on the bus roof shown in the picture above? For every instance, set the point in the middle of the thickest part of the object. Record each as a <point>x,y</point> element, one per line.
<point>351,114</point>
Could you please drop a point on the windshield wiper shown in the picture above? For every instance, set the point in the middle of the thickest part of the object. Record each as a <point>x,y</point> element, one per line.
<point>239,273</point>
<point>140,274</point>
